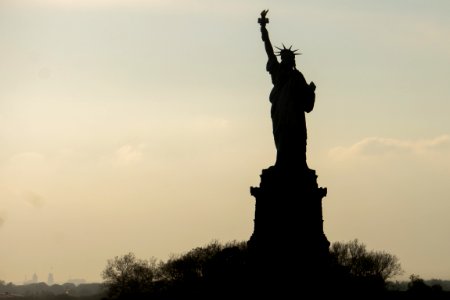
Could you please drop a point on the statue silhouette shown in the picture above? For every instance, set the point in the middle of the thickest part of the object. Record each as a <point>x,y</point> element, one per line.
<point>291,97</point>
<point>288,222</point>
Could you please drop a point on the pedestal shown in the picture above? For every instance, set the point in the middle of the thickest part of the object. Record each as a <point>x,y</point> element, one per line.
<point>288,226</point>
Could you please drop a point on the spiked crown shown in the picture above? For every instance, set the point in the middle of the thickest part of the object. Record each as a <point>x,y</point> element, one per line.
<point>286,52</point>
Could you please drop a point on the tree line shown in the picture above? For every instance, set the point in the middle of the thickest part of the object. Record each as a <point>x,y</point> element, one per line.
<point>221,271</point>
<point>224,271</point>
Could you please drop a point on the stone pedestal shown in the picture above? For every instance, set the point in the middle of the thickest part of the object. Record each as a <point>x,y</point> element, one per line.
<point>288,226</point>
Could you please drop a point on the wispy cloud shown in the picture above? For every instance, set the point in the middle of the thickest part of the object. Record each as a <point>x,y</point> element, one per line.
<point>128,154</point>
<point>26,158</point>
<point>376,146</point>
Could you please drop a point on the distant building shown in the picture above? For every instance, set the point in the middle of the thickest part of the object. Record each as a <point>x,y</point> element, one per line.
<point>50,280</point>
<point>34,279</point>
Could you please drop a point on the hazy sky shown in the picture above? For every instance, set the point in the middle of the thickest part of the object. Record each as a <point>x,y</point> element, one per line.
<point>141,125</point>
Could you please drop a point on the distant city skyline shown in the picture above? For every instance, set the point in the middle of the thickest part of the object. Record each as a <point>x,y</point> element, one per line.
<point>50,280</point>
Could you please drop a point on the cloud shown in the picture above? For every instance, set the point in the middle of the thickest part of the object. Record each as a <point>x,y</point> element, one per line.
<point>27,158</point>
<point>36,200</point>
<point>128,154</point>
<point>377,147</point>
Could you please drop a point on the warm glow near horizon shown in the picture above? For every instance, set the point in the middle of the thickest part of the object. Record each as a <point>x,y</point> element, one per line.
<point>139,126</point>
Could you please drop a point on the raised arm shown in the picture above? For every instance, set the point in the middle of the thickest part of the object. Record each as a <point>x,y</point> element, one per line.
<point>265,35</point>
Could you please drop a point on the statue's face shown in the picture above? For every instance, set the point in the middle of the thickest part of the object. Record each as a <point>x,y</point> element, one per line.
<point>287,58</point>
<point>288,61</point>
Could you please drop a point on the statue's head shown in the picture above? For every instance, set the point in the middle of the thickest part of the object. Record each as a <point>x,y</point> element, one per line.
<point>287,56</point>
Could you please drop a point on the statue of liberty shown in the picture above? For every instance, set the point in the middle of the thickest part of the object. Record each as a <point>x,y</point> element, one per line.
<point>291,97</point>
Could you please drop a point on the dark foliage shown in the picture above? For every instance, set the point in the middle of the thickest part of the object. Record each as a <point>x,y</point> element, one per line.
<point>214,269</point>
<point>127,277</point>
<point>218,271</point>
<point>363,263</point>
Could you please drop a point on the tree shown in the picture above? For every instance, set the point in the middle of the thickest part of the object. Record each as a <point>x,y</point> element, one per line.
<point>364,264</point>
<point>127,277</point>
<point>214,271</point>
<point>203,262</point>
<point>191,265</point>
<point>417,286</point>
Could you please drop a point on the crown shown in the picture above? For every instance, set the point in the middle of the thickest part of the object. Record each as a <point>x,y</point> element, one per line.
<point>286,51</point>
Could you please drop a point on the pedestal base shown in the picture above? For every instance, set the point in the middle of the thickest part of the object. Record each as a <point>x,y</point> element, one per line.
<point>288,226</point>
